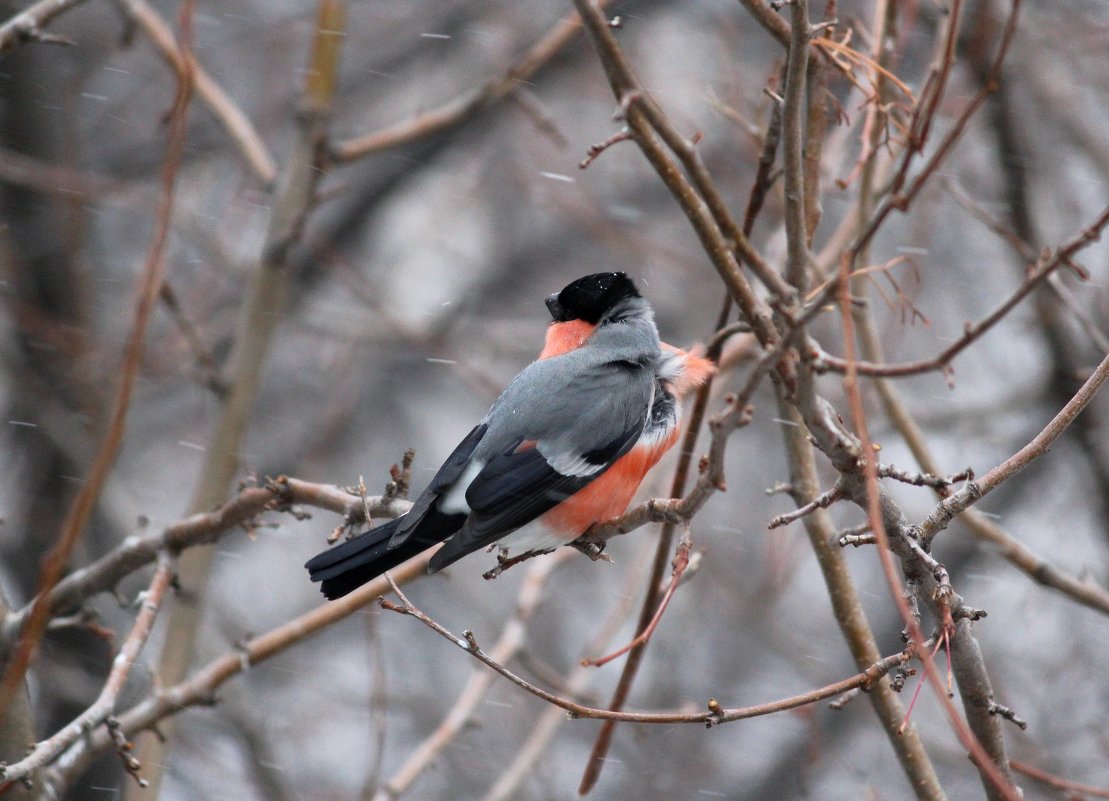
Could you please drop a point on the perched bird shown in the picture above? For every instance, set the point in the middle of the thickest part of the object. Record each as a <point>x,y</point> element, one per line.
<point>565,446</point>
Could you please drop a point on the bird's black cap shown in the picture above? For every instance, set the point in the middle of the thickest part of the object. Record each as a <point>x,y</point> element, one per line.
<point>589,298</point>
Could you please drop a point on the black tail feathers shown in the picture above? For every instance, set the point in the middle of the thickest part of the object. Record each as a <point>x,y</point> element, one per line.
<point>348,566</point>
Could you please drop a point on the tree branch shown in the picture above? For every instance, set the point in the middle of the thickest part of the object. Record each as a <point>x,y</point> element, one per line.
<point>1072,788</point>
<point>974,491</point>
<point>48,750</point>
<point>200,529</point>
<point>150,282</point>
<point>1037,274</point>
<point>200,688</point>
<point>715,714</point>
<point>233,119</point>
<point>460,110</point>
<point>27,25</point>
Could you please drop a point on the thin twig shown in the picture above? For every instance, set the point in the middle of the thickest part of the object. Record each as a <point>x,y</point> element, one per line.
<point>512,639</point>
<point>1058,782</point>
<point>200,529</point>
<point>460,110</point>
<point>201,354</point>
<point>1038,273</point>
<point>226,111</point>
<point>974,491</point>
<point>822,501</point>
<point>923,479</point>
<point>857,538</point>
<point>1099,338</point>
<point>681,562</point>
<point>595,150</point>
<point>48,750</point>
<point>919,128</point>
<point>715,714</point>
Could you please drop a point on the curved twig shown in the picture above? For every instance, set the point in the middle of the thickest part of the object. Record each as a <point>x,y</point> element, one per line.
<point>714,715</point>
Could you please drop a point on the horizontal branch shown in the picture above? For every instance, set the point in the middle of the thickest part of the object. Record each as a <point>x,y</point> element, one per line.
<point>136,552</point>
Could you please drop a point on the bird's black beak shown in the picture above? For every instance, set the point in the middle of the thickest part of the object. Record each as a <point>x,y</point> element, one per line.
<point>555,308</point>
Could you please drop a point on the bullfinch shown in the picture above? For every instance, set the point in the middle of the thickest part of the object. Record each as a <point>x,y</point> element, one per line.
<point>565,446</point>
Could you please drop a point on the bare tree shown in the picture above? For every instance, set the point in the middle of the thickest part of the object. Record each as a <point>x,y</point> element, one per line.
<point>242,245</point>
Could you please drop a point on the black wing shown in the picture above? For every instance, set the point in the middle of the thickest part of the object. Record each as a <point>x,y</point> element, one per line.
<point>450,471</point>
<point>517,486</point>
